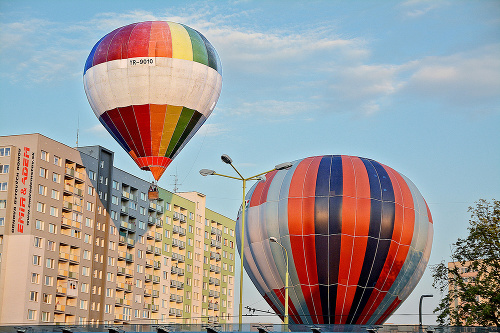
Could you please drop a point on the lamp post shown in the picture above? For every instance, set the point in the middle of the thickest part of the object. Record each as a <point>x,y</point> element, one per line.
<point>207,172</point>
<point>274,240</point>
<point>420,309</point>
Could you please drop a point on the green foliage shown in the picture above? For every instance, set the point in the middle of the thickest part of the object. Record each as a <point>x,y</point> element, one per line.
<point>472,300</point>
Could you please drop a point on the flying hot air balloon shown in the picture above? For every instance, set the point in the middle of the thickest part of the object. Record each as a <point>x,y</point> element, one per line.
<point>358,236</point>
<point>153,85</point>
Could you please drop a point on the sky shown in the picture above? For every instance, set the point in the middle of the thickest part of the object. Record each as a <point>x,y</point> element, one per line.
<point>411,84</point>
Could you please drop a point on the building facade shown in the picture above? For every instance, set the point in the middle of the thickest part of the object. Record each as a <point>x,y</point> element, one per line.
<point>81,243</point>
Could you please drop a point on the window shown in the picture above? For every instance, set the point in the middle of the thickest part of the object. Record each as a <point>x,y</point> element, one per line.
<point>35,278</point>
<point>47,298</point>
<point>85,288</point>
<point>142,211</point>
<point>49,263</point>
<point>52,227</point>
<point>114,200</point>
<point>107,308</point>
<point>87,239</point>
<point>57,160</point>
<point>38,242</point>
<point>33,296</point>
<point>56,178</point>
<point>48,280</point>
<point>42,190</point>
<point>54,212</point>
<point>31,313</point>
<point>37,260</point>
<point>89,222</point>
<point>3,203</point>
<point>55,194</point>
<point>86,254</point>
<point>3,186</point>
<point>51,245</point>
<point>143,196</point>
<point>4,168</point>
<point>90,190</point>
<point>40,207</point>
<point>39,225</point>
<point>2,221</point>
<point>4,151</point>
<point>91,174</point>
<point>85,271</point>
<point>109,292</point>
<point>90,206</point>
<point>44,155</point>
<point>114,215</point>
<point>116,185</point>
<point>83,304</point>
<point>101,164</point>
<point>142,225</point>
<point>110,277</point>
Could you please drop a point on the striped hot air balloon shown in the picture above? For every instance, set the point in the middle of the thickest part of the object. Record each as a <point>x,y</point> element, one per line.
<point>152,85</point>
<point>358,235</point>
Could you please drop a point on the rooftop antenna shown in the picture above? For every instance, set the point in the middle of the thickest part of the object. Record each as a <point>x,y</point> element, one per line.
<point>176,181</point>
<point>77,128</point>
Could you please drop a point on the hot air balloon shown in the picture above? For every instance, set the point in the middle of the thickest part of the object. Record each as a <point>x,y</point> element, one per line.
<point>153,85</point>
<point>358,235</point>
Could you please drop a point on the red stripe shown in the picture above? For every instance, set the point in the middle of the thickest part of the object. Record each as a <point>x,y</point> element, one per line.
<point>292,311</point>
<point>138,44</point>
<point>347,237</point>
<point>144,124</point>
<point>361,226</point>
<point>388,312</point>
<point>162,40</point>
<point>267,184</point>
<point>117,119</point>
<point>296,220</point>
<point>101,53</point>
<point>395,256</point>
<point>128,116</point>
<point>429,216</point>
<point>117,47</point>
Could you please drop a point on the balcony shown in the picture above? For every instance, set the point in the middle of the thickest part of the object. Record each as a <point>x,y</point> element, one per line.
<point>148,278</point>
<point>124,210</point>
<point>214,281</point>
<point>159,223</point>
<point>67,206</point>
<point>148,292</point>
<point>177,270</point>
<point>178,257</point>
<point>156,293</point>
<point>150,248</point>
<point>215,231</point>
<point>213,306</point>
<point>127,287</point>
<point>176,298</point>
<point>156,279</point>
<point>157,251</point>
<point>215,268</point>
<point>157,265</point>
<point>176,216</point>
<point>215,243</point>
<point>120,270</point>
<point>60,308</point>
<point>176,284</point>
<point>128,196</point>
<point>158,237</point>
<point>151,220</point>
<point>61,291</point>
<point>149,263</point>
<point>215,255</point>
<point>179,230</point>
<point>127,226</point>
<point>122,302</point>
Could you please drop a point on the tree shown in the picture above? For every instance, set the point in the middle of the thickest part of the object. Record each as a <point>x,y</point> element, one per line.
<point>470,285</point>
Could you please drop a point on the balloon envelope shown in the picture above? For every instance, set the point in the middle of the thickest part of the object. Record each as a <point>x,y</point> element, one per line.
<point>358,235</point>
<point>152,85</point>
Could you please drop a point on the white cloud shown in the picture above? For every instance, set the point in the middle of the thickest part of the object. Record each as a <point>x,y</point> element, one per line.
<point>212,130</point>
<point>460,80</point>
<point>98,130</point>
<point>416,8</point>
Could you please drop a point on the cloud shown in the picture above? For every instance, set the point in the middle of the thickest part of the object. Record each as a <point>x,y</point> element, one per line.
<point>212,130</point>
<point>98,130</point>
<point>416,8</point>
<point>462,80</point>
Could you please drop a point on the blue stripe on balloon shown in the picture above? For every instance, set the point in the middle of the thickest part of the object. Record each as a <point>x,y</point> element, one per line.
<point>90,58</point>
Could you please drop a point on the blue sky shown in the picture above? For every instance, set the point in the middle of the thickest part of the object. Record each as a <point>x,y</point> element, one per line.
<point>412,84</point>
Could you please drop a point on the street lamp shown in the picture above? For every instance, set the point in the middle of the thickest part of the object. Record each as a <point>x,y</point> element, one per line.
<point>274,240</point>
<point>207,172</point>
<point>420,309</point>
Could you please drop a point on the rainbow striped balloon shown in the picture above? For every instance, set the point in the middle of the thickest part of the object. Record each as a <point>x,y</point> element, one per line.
<point>358,236</point>
<point>153,85</point>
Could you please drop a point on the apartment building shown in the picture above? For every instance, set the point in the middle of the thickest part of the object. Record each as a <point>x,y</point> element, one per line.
<point>81,243</point>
